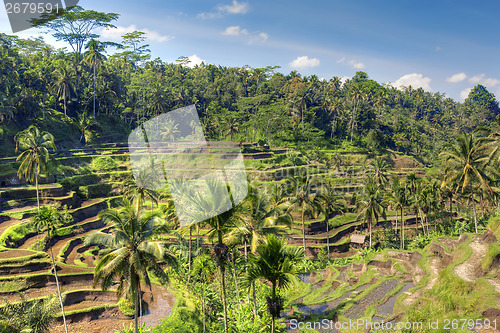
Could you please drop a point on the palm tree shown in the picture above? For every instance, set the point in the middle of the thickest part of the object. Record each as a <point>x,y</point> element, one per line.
<point>63,83</point>
<point>467,163</point>
<point>130,253</point>
<point>141,187</point>
<point>35,157</point>
<point>275,263</point>
<point>205,204</point>
<point>331,203</point>
<point>259,219</point>
<point>371,204</point>
<point>84,123</point>
<point>356,94</point>
<point>378,167</point>
<point>203,270</point>
<point>303,196</point>
<point>399,198</point>
<point>94,57</point>
<point>47,220</point>
<point>231,127</point>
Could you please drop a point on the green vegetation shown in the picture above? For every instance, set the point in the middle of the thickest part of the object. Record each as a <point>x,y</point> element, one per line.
<point>412,170</point>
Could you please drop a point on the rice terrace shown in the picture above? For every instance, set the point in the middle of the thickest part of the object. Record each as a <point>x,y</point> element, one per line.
<point>359,206</point>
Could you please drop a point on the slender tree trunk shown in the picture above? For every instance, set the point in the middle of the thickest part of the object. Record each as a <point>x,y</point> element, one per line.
<point>36,187</point>
<point>473,207</point>
<point>303,231</point>
<point>370,228</point>
<point>203,305</point>
<point>64,103</point>
<point>327,237</point>
<point>482,205</point>
<point>58,289</point>
<point>223,283</point>
<point>451,208</point>
<point>94,88</point>
<point>402,229</point>
<point>136,312</point>
<point>197,237</point>
<point>189,255</point>
<point>236,282</point>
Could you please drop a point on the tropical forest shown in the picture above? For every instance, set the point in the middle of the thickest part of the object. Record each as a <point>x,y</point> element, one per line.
<point>368,207</point>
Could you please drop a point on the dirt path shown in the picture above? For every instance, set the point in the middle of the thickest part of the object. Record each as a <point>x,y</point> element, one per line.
<point>466,270</point>
<point>434,271</point>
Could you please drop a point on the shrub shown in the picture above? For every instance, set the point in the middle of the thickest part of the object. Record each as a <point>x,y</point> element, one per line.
<point>126,307</point>
<point>104,163</point>
<point>100,190</point>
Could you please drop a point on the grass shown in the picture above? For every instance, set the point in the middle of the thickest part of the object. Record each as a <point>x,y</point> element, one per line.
<point>16,232</point>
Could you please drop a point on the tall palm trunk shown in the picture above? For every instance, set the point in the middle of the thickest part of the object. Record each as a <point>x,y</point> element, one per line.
<point>451,209</point>
<point>189,255</point>
<point>203,305</point>
<point>236,282</point>
<point>327,238</point>
<point>473,206</point>
<point>402,229</point>
<point>223,282</point>
<point>36,188</point>
<point>94,88</point>
<point>303,230</point>
<point>58,289</point>
<point>136,308</point>
<point>64,103</point>
<point>370,228</point>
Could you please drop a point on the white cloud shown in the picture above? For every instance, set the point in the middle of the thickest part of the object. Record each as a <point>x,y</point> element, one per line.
<point>455,78</point>
<point>490,82</point>
<point>235,30</point>
<point>486,81</point>
<point>465,93</point>
<point>353,63</point>
<point>252,37</point>
<point>304,62</point>
<point>477,78</point>
<point>356,64</point>
<point>118,32</point>
<point>222,10</point>
<point>235,8</point>
<point>264,36</point>
<point>194,60</point>
<point>415,80</point>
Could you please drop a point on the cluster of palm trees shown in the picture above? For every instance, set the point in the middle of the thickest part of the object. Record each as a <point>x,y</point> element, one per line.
<point>134,248</point>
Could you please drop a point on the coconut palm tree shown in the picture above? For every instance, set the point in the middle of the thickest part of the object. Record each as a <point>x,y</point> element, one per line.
<point>203,271</point>
<point>35,157</point>
<point>275,263</point>
<point>63,83</point>
<point>84,123</point>
<point>399,198</point>
<point>371,205</point>
<point>144,184</point>
<point>94,56</point>
<point>259,219</point>
<point>207,203</point>
<point>378,168</point>
<point>302,194</point>
<point>331,203</point>
<point>467,165</point>
<point>131,252</point>
<point>47,220</point>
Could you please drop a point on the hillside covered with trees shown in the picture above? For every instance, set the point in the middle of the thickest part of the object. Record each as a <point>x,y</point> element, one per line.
<point>365,201</point>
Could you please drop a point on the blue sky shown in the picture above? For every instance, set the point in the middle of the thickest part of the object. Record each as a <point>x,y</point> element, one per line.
<point>440,45</point>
